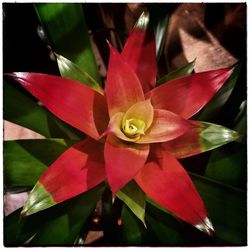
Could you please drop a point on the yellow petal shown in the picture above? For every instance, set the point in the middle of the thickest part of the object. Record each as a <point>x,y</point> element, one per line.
<point>141,111</point>
<point>115,127</point>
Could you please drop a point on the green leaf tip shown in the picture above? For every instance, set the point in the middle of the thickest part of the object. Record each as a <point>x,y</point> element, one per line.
<point>213,135</point>
<point>70,70</point>
<point>186,69</point>
<point>39,199</point>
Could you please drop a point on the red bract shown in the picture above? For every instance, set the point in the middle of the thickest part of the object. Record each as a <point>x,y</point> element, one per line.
<point>137,130</point>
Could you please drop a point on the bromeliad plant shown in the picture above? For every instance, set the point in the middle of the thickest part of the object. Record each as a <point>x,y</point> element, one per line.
<point>136,132</point>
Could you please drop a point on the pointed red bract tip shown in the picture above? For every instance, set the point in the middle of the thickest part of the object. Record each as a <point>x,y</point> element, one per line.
<point>140,53</point>
<point>73,102</point>
<point>165,181</point>
<point>189,94</point>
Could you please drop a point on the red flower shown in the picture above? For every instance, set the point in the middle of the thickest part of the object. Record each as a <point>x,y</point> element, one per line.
<point>136,130</point>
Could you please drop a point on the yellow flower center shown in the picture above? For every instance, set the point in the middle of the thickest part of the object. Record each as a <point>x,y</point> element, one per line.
<point>133,128</point>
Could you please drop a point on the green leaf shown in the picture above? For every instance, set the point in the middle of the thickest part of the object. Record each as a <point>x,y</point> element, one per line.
<point>26,160</point>
<point>155,204</point>
<point>240,122</point>
<point>26,112</point>
<point>66,30</point>
<point>134,198</point>
<point>226,208</point>
<point>213,136</point>
<point>229,165</point>
<point>184,70</point>
<point>160,34</point>
<point>57,226</point>
<point>64,229</point>
<point>70,70</point>
<point>159,17</point>
<point>213,107</point>
<point>11,229</point>
<point>165,228</point>
<point>162,229</point>
<point>133,231</point>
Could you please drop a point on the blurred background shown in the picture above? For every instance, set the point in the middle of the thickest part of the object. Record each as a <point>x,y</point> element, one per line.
<point>213,33</point>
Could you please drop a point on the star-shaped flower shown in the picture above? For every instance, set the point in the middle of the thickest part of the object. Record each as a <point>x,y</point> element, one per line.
<point>136,131</point>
